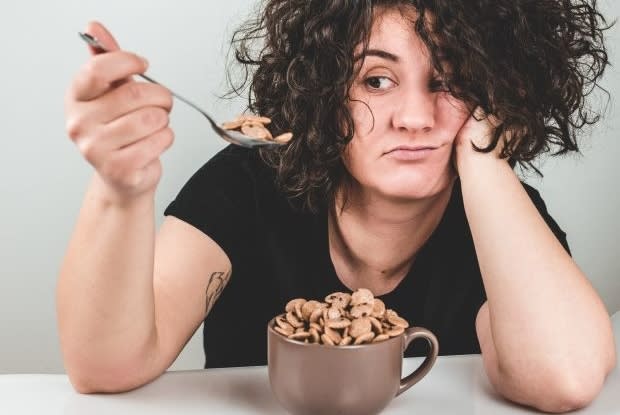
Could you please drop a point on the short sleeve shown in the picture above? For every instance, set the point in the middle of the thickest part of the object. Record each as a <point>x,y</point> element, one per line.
<point>214,201</point>
<point>551,223</point>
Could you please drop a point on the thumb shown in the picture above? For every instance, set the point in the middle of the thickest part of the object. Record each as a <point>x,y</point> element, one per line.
<point>98,31</point>
<point>105,38</point>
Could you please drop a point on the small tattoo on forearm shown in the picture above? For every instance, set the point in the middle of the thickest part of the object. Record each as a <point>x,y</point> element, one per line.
<point>215,286</point>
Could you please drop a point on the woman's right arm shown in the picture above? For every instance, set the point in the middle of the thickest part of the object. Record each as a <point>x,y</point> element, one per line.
<point>128,300</point>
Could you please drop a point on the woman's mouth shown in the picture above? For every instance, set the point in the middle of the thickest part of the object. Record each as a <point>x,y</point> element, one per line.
<point>410,153</point>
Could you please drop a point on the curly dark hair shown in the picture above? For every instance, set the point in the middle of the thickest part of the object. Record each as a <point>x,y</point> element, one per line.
<point>530,63</point>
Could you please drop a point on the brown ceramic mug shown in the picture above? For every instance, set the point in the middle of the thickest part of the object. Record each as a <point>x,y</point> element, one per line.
<point>316,379</point>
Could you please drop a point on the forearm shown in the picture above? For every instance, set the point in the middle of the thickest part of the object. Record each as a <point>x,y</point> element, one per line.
<point>105,301</point>
<point>546,319</point>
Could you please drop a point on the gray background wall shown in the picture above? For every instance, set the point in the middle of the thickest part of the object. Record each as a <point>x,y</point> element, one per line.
<point>42,176</point>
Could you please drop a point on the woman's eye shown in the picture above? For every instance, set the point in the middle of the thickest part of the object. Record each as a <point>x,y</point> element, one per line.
<point>379,83</point>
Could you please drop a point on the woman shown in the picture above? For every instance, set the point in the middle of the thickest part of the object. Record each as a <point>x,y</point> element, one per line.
<point>396,180</point>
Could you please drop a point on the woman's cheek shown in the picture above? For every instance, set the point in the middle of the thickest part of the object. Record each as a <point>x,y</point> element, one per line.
<point>455,103</point>
<point>362,117</point>
<point>454,113</point>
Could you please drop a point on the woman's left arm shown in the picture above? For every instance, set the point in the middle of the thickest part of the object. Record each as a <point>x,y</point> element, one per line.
<point>545,335</point>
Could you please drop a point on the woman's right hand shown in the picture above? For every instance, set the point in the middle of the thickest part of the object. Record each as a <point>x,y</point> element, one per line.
<point>119,126</point>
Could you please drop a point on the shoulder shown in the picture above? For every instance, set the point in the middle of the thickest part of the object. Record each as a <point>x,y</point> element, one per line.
<point>223,196</point>
<point>535,196</point>
<point>234,173</point>
<point>455,219</point>
<point>224,189</point>
<point>532,192</point>
<point>234,163</point>
<point>541,206</point>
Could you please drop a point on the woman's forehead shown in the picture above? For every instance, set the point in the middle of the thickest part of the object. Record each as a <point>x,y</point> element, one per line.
<point>397,13</point>
<point>393,31</point>
<point>392,23</point>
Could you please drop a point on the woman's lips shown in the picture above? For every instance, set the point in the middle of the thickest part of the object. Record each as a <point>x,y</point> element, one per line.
<point>405,153</point>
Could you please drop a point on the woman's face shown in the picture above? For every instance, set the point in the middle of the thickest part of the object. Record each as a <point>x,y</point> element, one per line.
<point>404,126</point>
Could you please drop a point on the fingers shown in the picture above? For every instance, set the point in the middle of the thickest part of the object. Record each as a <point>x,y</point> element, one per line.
<point>101,71</point>
<point>97,144</point>
<point>479,115</point>
<point>102,34</point>
<point>132,96</point>
<point>119,126</point>
<point>127,166</point>
<point>120,101</point>
<point>134,126</point>
<point>106,42</point>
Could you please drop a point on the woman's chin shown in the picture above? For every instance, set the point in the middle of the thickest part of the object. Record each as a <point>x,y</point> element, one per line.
<point>416,188</point>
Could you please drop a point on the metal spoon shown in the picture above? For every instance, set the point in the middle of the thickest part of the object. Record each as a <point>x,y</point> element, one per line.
<point>231,136</point>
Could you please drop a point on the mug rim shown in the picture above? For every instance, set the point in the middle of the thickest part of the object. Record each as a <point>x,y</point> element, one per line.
<point>271,330</point>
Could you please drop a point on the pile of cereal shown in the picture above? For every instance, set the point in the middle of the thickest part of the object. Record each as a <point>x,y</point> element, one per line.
<point>342,319</point>
<point>254,126</point>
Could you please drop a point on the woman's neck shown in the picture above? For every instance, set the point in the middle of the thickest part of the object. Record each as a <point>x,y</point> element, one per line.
<point>374,241</point>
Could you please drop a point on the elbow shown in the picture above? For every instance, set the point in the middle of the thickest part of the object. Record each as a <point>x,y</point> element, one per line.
<point>569,395</point>
<point>557,385</point>
<point>85,384</point>
<point>574,389</point>
<point>91,371</point>
<point>91,380</point>
<point>556,392</point>
<point>91,384</point>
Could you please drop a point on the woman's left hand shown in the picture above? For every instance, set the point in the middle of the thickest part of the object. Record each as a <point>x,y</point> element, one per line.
<point>477,130</point>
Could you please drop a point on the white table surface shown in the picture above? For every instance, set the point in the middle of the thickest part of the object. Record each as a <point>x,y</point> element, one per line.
<point>456,385</point>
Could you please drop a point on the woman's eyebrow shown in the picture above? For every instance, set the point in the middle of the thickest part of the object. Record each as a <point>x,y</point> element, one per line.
<point>379,53</point>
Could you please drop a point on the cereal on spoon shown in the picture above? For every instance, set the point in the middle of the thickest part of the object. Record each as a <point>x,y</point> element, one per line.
<point>254,126</point>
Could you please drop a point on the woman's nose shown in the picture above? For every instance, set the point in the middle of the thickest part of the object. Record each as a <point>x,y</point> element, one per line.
<point>415,111</point>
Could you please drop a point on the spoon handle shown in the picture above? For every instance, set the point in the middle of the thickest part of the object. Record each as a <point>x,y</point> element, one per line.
<point>99,48</point>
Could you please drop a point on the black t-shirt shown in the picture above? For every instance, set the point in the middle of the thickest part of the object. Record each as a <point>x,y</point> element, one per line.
<point>278,253</point>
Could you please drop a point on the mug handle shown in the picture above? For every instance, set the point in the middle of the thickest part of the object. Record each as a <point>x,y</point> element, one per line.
<point>410,335</point>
